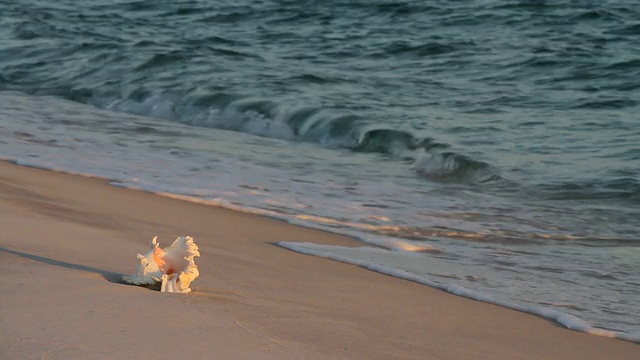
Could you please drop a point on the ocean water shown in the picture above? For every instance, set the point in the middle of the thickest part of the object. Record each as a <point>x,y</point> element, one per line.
<point>488,148</point>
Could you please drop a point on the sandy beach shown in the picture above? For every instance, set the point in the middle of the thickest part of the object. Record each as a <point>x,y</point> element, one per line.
<point>67,240</point>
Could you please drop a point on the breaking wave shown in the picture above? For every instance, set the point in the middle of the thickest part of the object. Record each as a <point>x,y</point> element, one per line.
<point>309,124</point>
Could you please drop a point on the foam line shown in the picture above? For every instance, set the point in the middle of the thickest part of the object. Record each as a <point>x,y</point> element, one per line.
<point>313,222</point>
<point>567,320</point>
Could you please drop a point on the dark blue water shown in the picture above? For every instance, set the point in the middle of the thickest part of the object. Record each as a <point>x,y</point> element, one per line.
<point>484,127</point>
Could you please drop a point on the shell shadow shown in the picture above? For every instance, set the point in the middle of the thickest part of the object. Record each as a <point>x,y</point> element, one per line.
<point>110,276</point>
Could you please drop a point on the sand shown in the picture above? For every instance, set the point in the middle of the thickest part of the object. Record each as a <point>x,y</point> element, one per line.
<point>66,240</point>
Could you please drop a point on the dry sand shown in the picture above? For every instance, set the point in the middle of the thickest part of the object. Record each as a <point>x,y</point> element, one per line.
<point>66,240</point>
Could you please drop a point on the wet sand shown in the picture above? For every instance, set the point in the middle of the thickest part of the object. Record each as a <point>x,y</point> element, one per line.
<point>67,240</point>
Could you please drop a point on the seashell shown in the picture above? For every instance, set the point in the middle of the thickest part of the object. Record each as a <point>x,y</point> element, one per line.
<point>172,267</point>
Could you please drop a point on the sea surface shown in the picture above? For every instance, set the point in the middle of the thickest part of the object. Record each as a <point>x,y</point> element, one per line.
<point>488,148</point>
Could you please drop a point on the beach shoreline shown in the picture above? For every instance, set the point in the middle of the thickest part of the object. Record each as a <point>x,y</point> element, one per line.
<point>69,238</point>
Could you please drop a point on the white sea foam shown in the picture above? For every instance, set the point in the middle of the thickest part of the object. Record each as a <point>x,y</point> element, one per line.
<point>567,320</point>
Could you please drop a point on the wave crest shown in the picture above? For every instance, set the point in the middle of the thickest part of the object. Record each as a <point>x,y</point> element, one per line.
<point>449,166</point>
<point>269,119</point>
<point>309,124</point>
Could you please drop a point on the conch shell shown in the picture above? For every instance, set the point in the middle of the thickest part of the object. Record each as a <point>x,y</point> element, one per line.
<point>172,267</point>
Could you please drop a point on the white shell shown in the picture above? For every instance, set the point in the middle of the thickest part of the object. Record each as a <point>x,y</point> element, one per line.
<point>173,266</point>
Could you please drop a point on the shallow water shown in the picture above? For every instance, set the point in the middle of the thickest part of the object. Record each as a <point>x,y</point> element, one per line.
<point>504,134</point>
